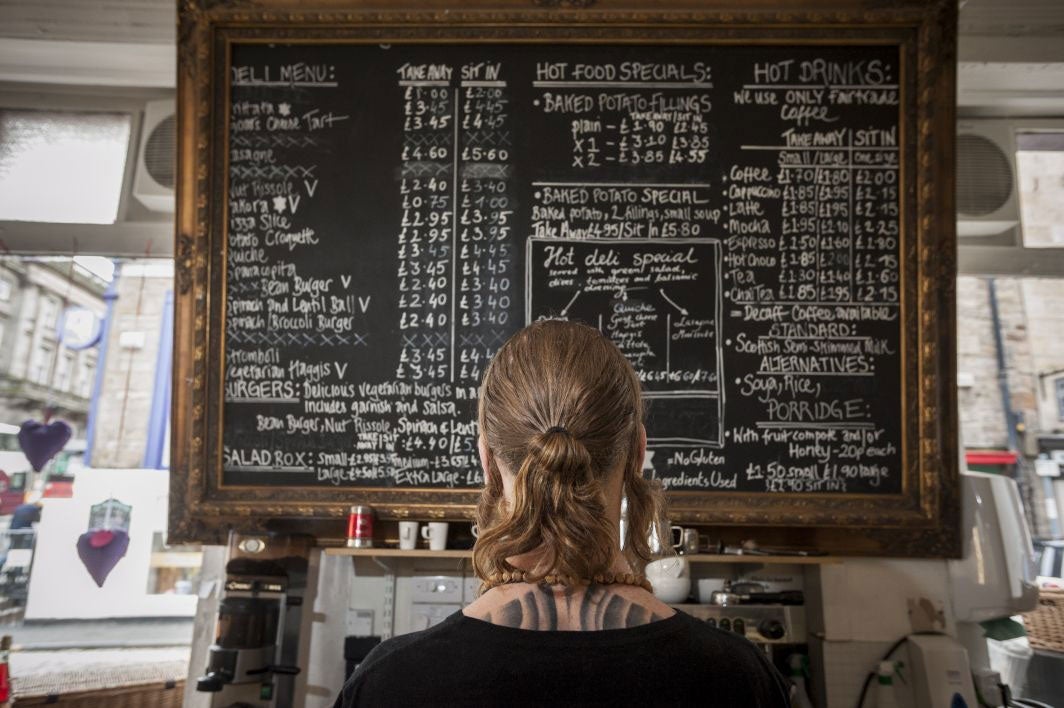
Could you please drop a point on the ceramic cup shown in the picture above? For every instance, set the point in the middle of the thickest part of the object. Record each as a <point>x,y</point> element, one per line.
<point>435,533</point>
<point>408,535</point>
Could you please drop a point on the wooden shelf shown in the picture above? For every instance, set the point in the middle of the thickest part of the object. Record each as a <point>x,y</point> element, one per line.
<point>700,558</point>
<point>396,553</point>
<point>763,560</point>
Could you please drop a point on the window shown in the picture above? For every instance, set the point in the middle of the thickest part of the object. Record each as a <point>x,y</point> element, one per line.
<point>41,363</point>
<point>49,314</point>
<point>63,368</point>
<point>1040,164</point>
<point>9,438</point>
<point>86,369</point>
<point>62,166</point>
<point>1060,398</point>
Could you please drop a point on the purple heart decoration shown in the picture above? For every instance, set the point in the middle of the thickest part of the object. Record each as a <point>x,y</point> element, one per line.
<point>100,560</point>
<point>40,442</point>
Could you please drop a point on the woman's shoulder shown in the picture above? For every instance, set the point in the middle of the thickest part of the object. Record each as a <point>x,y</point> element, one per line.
<point>403,645</point>
<point>392,659</point>
<point>735,656</point>
<point>453,658</point>
<point>719,641</point>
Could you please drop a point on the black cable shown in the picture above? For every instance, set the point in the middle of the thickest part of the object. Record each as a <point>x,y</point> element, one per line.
<point>890,652</point>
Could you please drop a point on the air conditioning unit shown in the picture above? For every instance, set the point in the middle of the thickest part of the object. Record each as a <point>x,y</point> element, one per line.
<point>988,201</point>
<point>153,182</point>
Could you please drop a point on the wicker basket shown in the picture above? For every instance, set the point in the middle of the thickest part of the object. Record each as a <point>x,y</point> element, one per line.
<point>1045,625</point>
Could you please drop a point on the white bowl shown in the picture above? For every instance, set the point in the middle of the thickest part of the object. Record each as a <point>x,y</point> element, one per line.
<point>671,567</point>
<point>671,590</point>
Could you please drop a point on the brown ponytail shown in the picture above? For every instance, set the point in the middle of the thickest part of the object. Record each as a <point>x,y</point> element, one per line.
<point>561,407</point>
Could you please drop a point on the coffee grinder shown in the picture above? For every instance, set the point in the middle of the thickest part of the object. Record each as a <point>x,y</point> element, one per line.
<point>253,661</point>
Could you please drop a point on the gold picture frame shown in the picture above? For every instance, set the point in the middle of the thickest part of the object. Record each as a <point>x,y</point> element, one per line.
<point>922,521</point>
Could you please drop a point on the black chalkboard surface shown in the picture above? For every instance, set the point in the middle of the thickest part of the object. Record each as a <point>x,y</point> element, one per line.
<point>731,216</point>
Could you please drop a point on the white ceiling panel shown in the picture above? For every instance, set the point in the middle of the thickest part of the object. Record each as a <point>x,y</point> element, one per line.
<point>136,21</point>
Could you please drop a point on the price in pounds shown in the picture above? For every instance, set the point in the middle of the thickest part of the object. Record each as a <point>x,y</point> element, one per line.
<point>419,122</point>
<point>481,154</point>
<point>418,153</point>
<point>414,320</point>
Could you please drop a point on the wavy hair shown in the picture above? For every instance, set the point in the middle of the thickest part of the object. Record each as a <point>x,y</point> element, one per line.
<point>562,408</point>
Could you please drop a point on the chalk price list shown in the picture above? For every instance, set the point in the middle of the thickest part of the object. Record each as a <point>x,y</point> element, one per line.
<point>813,276</point>
<point>457,206</point>
<point>731,221</point>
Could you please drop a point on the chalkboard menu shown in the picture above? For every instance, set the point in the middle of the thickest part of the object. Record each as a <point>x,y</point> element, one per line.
<point>737,217</point>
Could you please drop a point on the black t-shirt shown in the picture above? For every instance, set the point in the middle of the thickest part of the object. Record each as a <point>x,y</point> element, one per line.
<point>677,661</point>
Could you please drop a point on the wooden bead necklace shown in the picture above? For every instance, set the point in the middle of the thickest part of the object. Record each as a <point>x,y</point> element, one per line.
<point>520,576</point>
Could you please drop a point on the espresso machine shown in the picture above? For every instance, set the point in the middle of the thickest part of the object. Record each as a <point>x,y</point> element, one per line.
<point>253,661</point>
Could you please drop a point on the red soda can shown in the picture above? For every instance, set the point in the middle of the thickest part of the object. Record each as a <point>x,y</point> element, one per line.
<point>360,527</point>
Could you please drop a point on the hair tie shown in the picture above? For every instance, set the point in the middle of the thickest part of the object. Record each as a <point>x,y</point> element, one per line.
<point>557,429</point>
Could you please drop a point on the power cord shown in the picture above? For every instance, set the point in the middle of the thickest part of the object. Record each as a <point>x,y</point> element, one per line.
<point>1006,691</point>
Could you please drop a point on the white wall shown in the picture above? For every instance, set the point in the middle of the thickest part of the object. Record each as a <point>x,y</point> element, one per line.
<point>60,586</point>
<point>865,609</point>
<point>324,673</point>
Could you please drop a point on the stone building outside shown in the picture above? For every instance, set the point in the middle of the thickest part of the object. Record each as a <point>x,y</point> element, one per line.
<point>1031,335</point>
<point>41,367</point>
<point>131,427</point>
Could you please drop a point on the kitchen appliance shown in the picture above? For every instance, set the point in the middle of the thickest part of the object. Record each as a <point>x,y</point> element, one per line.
<point>761,624</point>
<point>995,578</point>
<point>941,673</point>
<point>753,593</point>
<point>252,662</point>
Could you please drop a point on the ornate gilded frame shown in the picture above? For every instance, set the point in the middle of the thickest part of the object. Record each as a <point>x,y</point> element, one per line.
<point>922,521</point>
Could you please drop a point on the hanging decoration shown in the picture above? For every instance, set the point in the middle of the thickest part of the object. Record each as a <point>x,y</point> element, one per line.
<point>105,543</point>
<point>40,442</point>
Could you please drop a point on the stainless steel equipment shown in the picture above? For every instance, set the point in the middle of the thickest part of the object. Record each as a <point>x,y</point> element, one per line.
<point>762,624</point>
<point>253,659</point>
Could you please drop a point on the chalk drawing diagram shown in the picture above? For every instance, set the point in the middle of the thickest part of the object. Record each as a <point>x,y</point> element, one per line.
<point>660,301</point>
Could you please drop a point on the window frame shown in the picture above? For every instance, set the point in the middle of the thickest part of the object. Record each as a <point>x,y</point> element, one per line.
<point>31,115</point>
<point>134,232</point>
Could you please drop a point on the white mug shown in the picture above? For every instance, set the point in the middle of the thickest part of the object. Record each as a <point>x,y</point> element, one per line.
<point>408,535</point>
<point>435,533</point>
